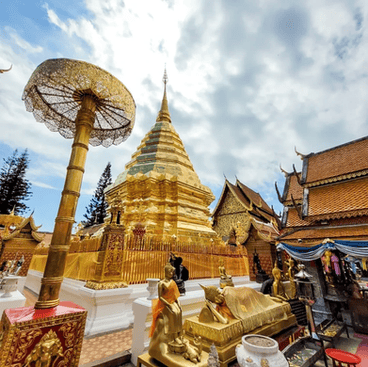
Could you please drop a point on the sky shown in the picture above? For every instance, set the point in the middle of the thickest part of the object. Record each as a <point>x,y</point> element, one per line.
<point>249,81</point>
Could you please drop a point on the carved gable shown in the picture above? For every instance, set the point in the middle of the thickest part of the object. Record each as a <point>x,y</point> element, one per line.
<point>230,205</point>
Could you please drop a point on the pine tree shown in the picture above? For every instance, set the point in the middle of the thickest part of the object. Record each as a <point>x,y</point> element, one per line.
<point>96,210</point>
<point>14,188</point>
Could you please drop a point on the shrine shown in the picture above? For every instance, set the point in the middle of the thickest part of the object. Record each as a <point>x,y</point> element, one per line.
<point>159,195</point>
<point>325,213</point>
<point>20,237</point>
<point>242,218</point>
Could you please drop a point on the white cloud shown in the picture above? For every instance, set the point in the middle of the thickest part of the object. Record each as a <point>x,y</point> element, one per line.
<point>248,81</point>
<point>43,185</point>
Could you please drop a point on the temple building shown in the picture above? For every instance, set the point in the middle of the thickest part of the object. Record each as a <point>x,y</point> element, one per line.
<point>329,197</point>
<point>326,209</point>
<point>19,237</point>
<point>159,194</point>
<point>242,218</point>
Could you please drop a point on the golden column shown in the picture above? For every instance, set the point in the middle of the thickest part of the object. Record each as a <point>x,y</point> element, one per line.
<point>86,103</point>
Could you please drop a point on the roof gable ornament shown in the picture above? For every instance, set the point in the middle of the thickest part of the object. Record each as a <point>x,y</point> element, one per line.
<point>296,175</point>
<point>283,171</point>
<point>302,156</point>
<point>278,193</point>
<point>164,114</point>
<point>296,207</point>
<point>5,70</point>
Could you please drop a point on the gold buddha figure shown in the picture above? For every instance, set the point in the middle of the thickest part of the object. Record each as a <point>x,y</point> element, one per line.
<point>225,279</point>
<point>291,272</point>
<point>168,344</point>
<point>278,289</point>
<point>253,308</point>
<point>231,312</point>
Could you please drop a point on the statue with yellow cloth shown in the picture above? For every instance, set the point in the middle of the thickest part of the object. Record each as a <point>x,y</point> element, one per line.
<point>253,308</point>
<point>168,344</point>
<point>230,313</point>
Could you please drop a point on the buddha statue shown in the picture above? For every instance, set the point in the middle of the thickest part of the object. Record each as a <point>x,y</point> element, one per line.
<point>252,308</point>
<point>278,289</point>
<point>231,312</point>
<point>225,279</point>
<point>168,344</point>
<point>291,272</point>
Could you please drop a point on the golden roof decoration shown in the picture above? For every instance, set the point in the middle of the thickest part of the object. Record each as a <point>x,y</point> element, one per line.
<point>38,237</point>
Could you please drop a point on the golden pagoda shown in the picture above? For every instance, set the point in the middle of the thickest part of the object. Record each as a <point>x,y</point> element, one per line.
<point>157,207</point>
<point>159,195</point>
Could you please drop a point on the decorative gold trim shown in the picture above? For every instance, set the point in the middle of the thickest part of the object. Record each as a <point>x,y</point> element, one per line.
<point>16,337</point>
<point>102,286</point>
<point>336,179</point>
<point>341,215</point>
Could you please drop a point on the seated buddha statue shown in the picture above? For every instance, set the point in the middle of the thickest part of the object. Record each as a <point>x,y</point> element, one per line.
<point>225,279</point>
<point>252,308</point>
<point>167,340</point>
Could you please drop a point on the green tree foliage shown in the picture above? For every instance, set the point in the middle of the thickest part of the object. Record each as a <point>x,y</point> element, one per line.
<point>96,210</point>
<point>14,188</point>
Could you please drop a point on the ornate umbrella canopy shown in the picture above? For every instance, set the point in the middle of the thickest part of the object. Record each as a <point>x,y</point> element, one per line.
<point>55,91</point>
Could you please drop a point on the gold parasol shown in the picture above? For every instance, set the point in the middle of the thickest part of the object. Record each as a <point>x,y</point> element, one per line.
<point>84,102</point>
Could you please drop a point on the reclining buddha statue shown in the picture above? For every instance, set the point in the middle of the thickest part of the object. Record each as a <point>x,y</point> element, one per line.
<point>230,313</point>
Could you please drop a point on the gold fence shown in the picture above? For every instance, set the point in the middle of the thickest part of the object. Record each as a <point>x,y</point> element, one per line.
<point>147,258</point>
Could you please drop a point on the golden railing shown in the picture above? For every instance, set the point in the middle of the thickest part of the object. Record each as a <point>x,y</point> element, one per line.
<point>144,259</point>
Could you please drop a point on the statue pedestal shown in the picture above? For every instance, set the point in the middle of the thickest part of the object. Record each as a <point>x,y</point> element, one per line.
<point>15,300</point>
<point>227,336</point>
<point>147,360</point>
<point>54,334</point>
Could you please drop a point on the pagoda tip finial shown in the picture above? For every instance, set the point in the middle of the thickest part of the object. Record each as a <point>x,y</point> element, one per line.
<point>164,114</point>
<point>165,78</point>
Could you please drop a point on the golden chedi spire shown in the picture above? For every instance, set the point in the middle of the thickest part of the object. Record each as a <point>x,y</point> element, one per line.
<point>164,114</point>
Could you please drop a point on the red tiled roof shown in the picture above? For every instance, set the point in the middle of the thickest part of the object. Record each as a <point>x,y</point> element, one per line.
<point>293,219</point>
<point>294,189</point>
<point>344,197</point>
<point>344,232</point>
<point>254,197</point>
<point>342,160</point>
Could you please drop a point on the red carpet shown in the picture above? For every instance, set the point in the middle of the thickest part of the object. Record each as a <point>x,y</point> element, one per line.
<point>362,350</point>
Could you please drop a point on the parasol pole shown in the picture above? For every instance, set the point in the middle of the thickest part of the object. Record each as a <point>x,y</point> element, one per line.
<point>60,242</point>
